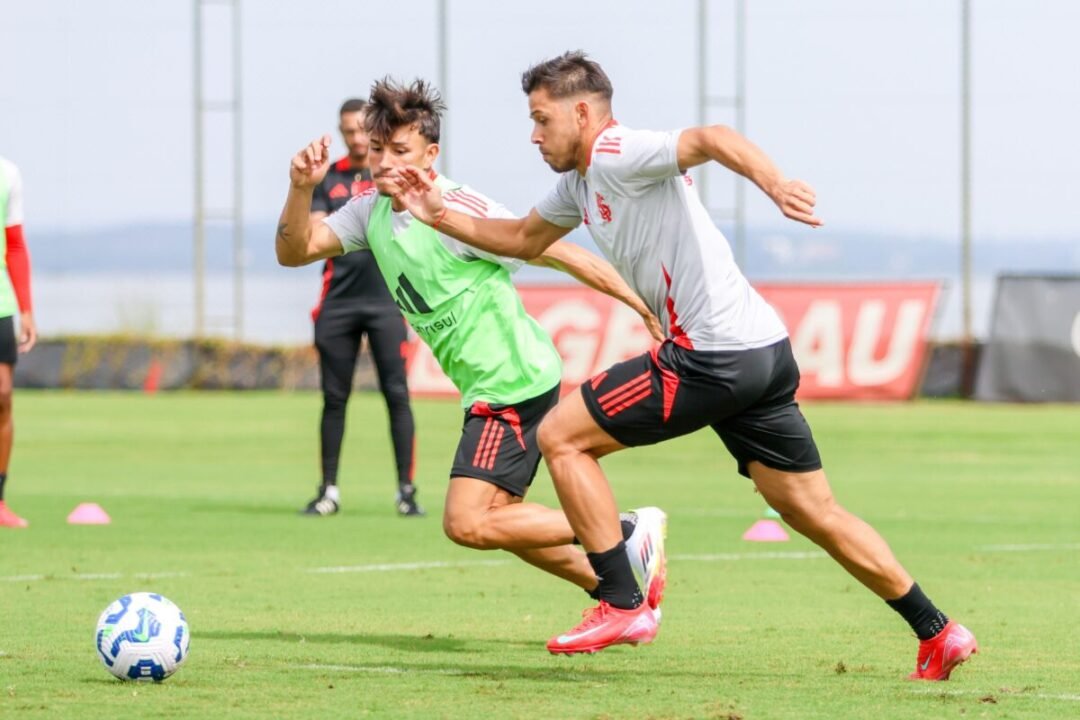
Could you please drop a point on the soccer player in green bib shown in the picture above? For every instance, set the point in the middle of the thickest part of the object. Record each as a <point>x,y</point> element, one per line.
<point>462,303</point>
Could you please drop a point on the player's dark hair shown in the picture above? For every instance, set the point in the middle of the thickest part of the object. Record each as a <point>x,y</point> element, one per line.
<point>352,105</point>
<point>571,73</point>
<point>393,105</point>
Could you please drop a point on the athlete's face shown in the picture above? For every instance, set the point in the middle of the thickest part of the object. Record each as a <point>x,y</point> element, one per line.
<point>557,129</point>
<point>352,132</point>
<point>405,147</point>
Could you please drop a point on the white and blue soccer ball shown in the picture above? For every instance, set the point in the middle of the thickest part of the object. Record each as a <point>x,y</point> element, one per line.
<point>142,636</point>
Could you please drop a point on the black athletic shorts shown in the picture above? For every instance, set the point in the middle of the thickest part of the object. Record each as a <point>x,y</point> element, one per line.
<point>9,348</point>
<point>498,442</point>
<point>746,396</point>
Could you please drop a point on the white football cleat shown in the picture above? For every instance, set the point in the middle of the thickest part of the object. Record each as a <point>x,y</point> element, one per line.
<point>645,548</point>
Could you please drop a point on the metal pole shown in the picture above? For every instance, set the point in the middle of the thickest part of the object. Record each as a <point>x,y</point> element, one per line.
<point>444,83</point>
<point>965,166</point>
<point>199,240</point>
<point>702,112</point>
<point>238,180</point>
<point>740,126</point>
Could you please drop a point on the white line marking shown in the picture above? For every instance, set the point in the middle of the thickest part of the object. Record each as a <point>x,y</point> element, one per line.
<point>1032,547</point>
<point>720,557</point>
<point>1068,697</point>
<point>380,669</point>
<point>93,576</point>
<point>391,567</point>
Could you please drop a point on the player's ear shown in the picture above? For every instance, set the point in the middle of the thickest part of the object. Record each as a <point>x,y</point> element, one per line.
<point>581,113</point>
<point>430,153</point>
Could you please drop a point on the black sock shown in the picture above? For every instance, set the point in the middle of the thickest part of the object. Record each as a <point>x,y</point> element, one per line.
<point>3,479</point>
<point>925,619</point>
<point>627,531</point>
<point>618,586</point>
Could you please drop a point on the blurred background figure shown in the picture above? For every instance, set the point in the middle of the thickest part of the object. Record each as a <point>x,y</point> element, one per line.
<point>14,297</point>
<point>355,302</point>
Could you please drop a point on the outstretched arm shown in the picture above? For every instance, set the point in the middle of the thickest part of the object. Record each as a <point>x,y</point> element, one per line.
<point>524,238</point>
<point>721,144</point>
<point>300,241</point>
<point>598,274</point>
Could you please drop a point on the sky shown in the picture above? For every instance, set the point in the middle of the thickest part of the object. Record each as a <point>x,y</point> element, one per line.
<point>858,98</point>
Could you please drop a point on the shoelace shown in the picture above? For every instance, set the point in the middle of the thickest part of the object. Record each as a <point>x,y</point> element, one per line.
<point>593,616</point>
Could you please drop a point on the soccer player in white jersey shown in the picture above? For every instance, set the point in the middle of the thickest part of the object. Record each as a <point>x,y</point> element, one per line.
<point>726,363</point>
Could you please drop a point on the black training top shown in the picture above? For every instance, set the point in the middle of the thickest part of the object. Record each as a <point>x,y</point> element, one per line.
<point>353,278</point>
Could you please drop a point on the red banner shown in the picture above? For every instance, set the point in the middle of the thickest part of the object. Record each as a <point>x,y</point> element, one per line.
<point>865,341</point>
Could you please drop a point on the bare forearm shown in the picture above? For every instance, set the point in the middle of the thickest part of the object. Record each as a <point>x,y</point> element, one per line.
<point>590,270</point>
<point>494,235</point>
<point>735,152</point>
<point>294,228</point>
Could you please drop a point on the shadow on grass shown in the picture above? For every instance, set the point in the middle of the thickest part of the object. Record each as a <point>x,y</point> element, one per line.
<point>241,507</point>
<point>407,643</point>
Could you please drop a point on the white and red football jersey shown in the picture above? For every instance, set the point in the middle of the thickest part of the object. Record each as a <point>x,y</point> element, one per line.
<point>646,217</point>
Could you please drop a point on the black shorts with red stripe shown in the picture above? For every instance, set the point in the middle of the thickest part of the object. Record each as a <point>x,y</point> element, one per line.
<point>746,396</point>
<point>498,442</point>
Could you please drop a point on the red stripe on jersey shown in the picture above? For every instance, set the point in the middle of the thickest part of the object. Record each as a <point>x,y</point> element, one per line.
<point>609,151</point>
<point>595,382</point>
<point>467,203</point>
<point>678,335</point>
<point>472,196</point>
<point>327,276</point>
<point>611,123</point>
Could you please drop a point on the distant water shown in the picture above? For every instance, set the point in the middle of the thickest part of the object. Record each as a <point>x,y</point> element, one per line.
<point>276,305</point>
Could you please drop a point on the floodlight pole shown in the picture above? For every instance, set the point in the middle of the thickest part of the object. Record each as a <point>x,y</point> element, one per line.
<point>443,41</point>
<point>965,164</point>
<point>199,240</point>
<point>737,103</point>
<point>967,380</point>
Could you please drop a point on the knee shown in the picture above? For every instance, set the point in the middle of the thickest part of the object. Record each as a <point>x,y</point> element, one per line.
<point>549,439</point>
<point>466,529</point>
<point>396,394</point>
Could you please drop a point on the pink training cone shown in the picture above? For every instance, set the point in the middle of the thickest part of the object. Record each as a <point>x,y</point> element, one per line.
<point>88,514</point>
<point>766,531</point>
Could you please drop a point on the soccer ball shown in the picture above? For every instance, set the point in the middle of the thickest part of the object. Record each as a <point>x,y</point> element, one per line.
<point>142,636</point>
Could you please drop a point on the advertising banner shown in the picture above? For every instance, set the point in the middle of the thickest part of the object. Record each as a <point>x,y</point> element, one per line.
<point>865,341</point>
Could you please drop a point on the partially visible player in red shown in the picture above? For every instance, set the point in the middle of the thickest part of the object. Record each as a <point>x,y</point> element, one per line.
<point>14,297</point>
<point>727,363</point>
<point>354,303</point>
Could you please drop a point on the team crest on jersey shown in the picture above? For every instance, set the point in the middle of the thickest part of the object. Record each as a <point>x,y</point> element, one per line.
<point>604,208</point>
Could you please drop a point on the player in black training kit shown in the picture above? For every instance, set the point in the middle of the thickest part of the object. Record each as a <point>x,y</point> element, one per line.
<point>355,302</point>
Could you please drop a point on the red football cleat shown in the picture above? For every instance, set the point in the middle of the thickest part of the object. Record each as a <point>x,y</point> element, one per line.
<point>940,655</point>
<point>10,519</point>
<point>605,625</point>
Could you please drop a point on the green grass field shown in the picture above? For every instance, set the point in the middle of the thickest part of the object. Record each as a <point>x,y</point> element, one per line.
<point>982,503</point>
